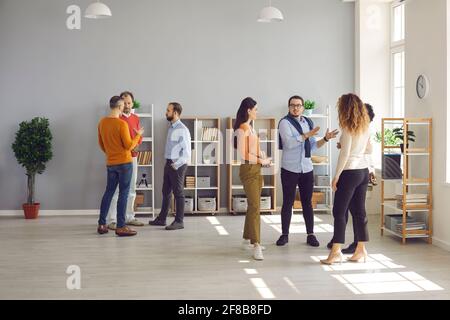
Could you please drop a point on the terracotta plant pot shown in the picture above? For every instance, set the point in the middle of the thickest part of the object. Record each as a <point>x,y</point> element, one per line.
<point>31,211</point>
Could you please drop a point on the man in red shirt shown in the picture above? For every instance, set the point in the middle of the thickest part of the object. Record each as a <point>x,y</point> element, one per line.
<point>133,125</point>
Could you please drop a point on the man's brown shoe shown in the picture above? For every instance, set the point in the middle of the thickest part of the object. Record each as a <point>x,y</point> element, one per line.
<point>125,232</point>
<point>102,229</point>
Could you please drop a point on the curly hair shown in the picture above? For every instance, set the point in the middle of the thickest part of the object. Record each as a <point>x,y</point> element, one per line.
<point>353,115</point>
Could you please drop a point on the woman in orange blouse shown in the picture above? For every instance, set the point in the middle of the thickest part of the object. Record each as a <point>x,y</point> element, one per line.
<point>248,146</point>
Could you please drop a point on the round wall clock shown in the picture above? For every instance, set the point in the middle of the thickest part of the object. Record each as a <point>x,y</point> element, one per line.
<point>422,86</point>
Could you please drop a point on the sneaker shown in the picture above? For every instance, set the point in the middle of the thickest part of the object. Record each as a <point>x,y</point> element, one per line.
<point>102,229</point>
<point>112,226</point>
<point>312,241</point>
<point>257,253</point>
<point>175,226</point>
<point>246,245</point>
<point>157,222</point>
<point>125,232</point>
<point>283,240</point>
<point>350,249</point>
<point>135,222</point>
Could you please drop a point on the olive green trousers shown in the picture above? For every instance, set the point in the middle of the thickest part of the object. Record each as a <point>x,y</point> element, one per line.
<point>252,180</point>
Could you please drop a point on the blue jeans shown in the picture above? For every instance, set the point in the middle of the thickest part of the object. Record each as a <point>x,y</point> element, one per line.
<point>117,175</point>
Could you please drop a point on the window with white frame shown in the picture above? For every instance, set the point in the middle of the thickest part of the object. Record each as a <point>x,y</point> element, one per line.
<point>398,59</point>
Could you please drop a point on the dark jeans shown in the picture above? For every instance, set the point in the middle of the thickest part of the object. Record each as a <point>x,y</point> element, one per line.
<point>305,182</point>
<point>351,195</point>
<point>173,181</point>
<point>117,175</point>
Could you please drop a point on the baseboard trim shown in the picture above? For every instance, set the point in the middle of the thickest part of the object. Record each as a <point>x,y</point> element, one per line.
<point>441,244</point>
<point>50,213</point>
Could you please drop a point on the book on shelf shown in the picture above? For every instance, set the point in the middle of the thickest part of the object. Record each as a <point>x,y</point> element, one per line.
<point>209,134</point>
<point>190,182</point>
<point>412,226</point>
<point>411,200</point>
<point>144,157</point>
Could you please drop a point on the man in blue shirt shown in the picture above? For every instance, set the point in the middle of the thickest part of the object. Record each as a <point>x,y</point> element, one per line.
<point>177,154</point>
<point>297,139</point>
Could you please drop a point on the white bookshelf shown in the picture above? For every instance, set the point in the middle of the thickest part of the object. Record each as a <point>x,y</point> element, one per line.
<point>265,126</point>
<point>323,120</point>
<point>203,144</point>
<point>147,122</point>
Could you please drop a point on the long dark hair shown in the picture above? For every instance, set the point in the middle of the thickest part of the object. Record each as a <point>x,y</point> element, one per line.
<point>242,115</point>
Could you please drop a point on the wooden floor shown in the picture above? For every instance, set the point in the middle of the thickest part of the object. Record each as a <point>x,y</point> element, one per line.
<point>206,261</point>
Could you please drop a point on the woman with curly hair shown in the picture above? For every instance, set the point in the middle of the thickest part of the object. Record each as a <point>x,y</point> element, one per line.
<point>352,175</point>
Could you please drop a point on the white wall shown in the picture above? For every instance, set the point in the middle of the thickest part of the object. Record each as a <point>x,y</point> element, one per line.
<point>207,54</point>
<point>372,76</point>
<point>426,53</point>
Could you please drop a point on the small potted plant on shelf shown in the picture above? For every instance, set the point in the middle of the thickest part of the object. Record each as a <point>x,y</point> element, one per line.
<point>309,107</point>
<point>399,134</point>
<point>136,105</point>
<point>391,166</point>
<point>33,149</point>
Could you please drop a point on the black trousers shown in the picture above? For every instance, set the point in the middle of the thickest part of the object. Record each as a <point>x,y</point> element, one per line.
<point>305,182</point>
<point>346,221</point>
<point>351,195</point>
<point>173,181</point>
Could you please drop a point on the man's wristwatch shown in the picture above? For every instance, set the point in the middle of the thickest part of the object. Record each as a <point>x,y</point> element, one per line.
<point>325,138</point>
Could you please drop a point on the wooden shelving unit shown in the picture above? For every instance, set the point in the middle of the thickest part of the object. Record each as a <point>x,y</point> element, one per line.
<point>266,129</point>
<point>205,161</point>
<point>408,181</point>
<point>324,122</point>
<point>146,167</point>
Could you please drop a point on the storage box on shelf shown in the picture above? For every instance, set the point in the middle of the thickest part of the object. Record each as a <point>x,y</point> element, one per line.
<point>408,214</point>
<point>145,197</point>
<point>202,182</point>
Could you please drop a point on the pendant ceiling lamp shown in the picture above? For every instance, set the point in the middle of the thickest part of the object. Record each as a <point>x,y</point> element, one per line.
<point>97,10</point>
<point>270,14</point>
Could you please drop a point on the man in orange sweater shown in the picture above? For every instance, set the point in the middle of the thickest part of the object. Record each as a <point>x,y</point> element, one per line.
<point>115,141</point>
<point>133,125</point>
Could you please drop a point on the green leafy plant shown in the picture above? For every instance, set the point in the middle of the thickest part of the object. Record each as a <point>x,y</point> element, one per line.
<point>136,104</point>
<point>399,133</point>
<point>309,105</point>
<point>390,139</point>
<point>33,149</point>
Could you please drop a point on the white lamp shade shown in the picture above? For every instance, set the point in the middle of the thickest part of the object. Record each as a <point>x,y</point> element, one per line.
<point>270,14</point>
<point>97,10</point>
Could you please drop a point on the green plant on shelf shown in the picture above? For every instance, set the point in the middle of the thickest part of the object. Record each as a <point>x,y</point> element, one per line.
<point>390,139</point>
<point>136,104</point>
<point>309,105</point>
<point>399,133</point>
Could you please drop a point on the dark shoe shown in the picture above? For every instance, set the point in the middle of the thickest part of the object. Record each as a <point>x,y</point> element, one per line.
<point>350,249</point>
<point>282,240</point>
<point>330,245</point>
<point>175,226</point>
<point>102,229</point>
<point>157,222</point>
<point>312,241</point>
<point>125,232</point>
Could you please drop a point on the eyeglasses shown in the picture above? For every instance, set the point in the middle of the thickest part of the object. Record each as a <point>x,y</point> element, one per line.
<point>295,106</point>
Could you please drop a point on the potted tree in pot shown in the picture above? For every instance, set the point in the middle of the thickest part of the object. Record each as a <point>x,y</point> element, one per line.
<point>33,149</point>
<point>309,107</point>
<point>399,134</point>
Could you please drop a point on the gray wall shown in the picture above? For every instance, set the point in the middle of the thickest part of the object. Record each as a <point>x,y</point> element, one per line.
<point>207,54</point>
